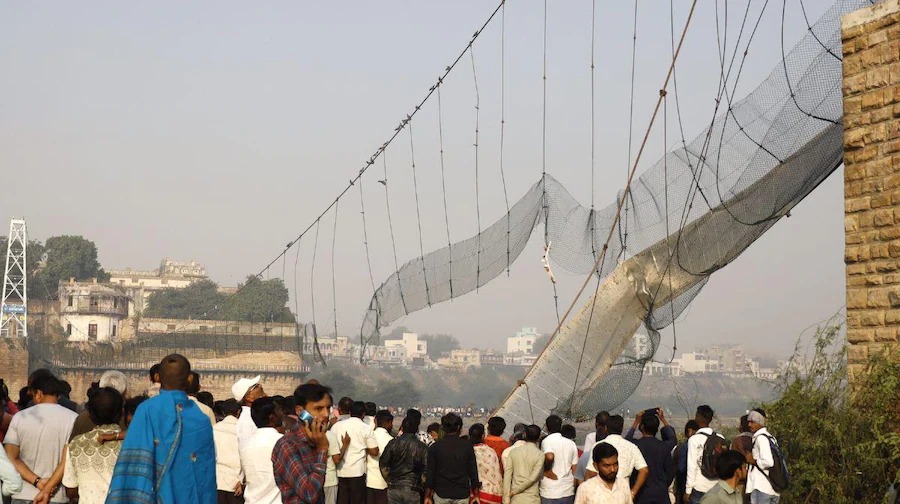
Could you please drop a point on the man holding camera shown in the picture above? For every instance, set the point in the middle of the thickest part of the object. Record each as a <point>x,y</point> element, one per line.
<point>657,454</point>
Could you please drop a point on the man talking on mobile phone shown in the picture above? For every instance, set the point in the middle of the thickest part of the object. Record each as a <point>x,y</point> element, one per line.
<point>299,458</point>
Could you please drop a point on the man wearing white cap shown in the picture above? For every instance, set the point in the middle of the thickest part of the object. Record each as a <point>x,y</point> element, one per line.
<point>761,461</point>
<point>245,391</point>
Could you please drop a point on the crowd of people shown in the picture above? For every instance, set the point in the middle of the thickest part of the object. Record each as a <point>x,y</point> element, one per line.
<point>172,443</point>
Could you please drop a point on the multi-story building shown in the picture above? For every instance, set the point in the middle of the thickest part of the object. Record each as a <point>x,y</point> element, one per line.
<point>412,345</point>
<point>169,275</point>
<point>523,341</point>
<point>92,312</point>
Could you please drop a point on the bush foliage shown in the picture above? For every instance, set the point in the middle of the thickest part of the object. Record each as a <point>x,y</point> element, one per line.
<point>840,437</point>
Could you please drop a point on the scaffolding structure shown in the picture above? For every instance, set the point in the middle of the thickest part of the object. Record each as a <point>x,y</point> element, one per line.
<point>14,308</point>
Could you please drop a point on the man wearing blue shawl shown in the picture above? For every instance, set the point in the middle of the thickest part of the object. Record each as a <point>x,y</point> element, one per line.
<point>168,456</point>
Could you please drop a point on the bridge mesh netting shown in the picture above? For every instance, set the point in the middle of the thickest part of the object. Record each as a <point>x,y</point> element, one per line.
<point>688,215</point>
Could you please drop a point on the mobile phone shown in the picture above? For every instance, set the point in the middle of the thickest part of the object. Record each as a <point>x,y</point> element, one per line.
<point>306,418</point>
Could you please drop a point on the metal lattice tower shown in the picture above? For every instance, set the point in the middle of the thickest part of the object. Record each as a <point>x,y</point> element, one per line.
<point>15,289</point>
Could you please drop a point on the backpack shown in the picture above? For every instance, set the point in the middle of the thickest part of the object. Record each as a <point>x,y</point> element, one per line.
<point>714,446</point>
<point>778,475</point>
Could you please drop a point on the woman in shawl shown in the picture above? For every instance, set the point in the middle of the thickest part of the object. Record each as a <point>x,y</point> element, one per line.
<point>489,474</point>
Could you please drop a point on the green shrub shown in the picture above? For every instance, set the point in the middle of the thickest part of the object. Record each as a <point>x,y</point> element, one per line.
<point>841,441</point>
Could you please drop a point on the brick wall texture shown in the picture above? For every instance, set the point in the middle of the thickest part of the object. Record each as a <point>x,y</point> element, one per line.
<point>871,89</point>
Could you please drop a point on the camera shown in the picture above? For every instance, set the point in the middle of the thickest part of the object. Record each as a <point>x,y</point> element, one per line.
<point>654,411</point>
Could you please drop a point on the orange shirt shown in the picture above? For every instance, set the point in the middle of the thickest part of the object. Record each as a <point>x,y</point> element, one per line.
<point>497,443</point>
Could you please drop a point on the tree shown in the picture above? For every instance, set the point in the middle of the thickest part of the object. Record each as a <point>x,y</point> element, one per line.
<point>258,301</point>
<point>199,300</point>
<point>67,257</point>
<point>342,384</point>
<point>396,393</point>
<point>440,344</point>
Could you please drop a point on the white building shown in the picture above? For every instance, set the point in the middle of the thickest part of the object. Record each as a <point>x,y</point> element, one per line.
<point>697,362</point>
<point>523,341</point>
<point>92,312</point>
<point>412,345</point>
<point>169,275</point>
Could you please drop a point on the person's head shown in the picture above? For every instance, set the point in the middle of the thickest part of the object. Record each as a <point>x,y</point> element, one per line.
<point>45,389</point>
<point>412,421</point>
<point>476,433</point>
<point>206,398</point>
<point>518,431</point>
<point>231,407</point>
<point>496,425</point>
<point>606,461</point>
<point>649,425</point>
<point>344,405</point>
<point>64,388</point>
<point>384,419</point>
<point>756,420</point>
<point>105,406</point>
<point>600,421</point>
<point>745,425</point>
<point>266,412</point>
<point>451,423</point>
<point>434,430</point>
<point>704,415</point>
<point>615,424</point>
<point>115,379</point>
<point>532,433</point>
<point>24,397</point>
<point>554,424</point>
<point>193,386</point>
<point>568,431</point>
<point>39,373</point>
<point>313,398</point>
<point>131,406</point>
<point>691,428</point>
<point>731,466</point>
<point>358,409</point>
<point>371,409</point>
<point>174,372</point>
<point>247,390</point>
<point>154,373</point>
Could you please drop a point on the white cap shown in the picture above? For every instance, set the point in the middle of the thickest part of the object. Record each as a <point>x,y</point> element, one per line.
<point>240,387</point>
<point>114,379</point>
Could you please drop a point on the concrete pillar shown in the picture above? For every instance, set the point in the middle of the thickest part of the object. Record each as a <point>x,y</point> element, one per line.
<point>871,89</point>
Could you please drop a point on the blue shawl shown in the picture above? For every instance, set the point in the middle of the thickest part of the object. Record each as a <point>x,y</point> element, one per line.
<point>168,456</point>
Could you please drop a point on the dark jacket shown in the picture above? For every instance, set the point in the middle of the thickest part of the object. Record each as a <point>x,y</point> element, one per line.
<point>452,471</point>
<point>403,462</point>
<point>658,455</point>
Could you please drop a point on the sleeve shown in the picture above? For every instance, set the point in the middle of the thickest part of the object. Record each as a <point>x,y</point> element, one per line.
<point>429,468</point>
<point>589,441</point>
<point>10,481</point>
<point>545,447</point>
<point>507,485</point>
<point>12,434</point>
<point>371,440</point>
<point>580,495</point>
<point>70,478</point>
<point>669,437</point>
<point>334,444</point>
<point>692,467</point>
<point>763,453</point>
<point>307,482</point>
<point>573,460</point>
<point>384,458</point>
<point>474,482</point>
<point>630,434</point>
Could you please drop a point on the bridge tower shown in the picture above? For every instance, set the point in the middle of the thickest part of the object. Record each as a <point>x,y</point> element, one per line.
<point>14,308</point>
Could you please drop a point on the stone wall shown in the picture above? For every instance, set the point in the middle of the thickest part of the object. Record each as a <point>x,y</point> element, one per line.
<point>871,88</point>
<point>14,365</point>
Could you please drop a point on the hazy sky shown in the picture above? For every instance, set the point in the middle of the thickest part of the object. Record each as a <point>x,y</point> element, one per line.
<point>216,131</point>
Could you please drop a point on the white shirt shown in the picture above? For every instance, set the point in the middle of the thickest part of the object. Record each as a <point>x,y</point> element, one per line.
<point>630,457</point>
<point>334,448</point>
<point>374,479</point>
<point>89,464</point>
<point>595,491</point>
<point>762,453</point>
<point>695,479</point>
<point>228,458</point>
<point>41,432</point>
<point>353,465</point>
<point>590,440</point>
<point>245,425</point>
<point>205,409</point>
<point>565,455</point>
<point>256,461</point>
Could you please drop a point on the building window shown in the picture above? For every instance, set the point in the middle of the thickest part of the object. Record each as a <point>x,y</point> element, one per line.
<point>69,329</point>
<point>92,331</point>
<point>165,281</point>
<point>71,301</point>
<point>94,302</point>
<point>113,331</point>
<point>267,330</point>
<point>115,302</point>
<point>134,280</point>
<point>204,328</point>
<point>235,329</point>
<point>170,327</point>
